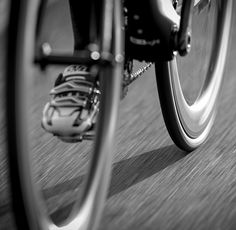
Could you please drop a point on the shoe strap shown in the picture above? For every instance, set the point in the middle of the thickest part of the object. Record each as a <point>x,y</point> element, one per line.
<point>73,86</point>
<point>76,70</point>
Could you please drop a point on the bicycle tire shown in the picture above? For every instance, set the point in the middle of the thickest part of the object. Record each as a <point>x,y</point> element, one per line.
<point>28,212</point>
<point>189,124</point>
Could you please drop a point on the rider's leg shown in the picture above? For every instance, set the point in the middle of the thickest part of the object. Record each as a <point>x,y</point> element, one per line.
<point>74,102</point>
<point>80,22</point>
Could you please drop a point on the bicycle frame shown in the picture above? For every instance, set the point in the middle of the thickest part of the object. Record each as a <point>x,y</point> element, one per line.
<point>174,36</point>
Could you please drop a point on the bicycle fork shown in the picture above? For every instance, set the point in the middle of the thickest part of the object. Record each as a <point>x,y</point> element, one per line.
<point>156,31</point>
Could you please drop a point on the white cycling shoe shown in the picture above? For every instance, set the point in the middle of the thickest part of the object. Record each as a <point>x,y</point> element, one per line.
<point>74,105</point>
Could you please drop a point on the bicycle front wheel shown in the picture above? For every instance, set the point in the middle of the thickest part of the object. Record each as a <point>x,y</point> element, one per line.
<point>28,205</point>
<point>188,87</point>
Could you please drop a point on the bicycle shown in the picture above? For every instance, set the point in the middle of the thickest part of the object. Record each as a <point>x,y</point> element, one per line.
<point>110,52</point>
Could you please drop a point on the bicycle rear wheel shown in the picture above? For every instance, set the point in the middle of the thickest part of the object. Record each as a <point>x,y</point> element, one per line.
<point>190,116</point>
<point>28,207</point>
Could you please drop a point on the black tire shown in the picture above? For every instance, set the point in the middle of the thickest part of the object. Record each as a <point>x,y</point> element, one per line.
<point>189,123</point>
<point>26,199</point>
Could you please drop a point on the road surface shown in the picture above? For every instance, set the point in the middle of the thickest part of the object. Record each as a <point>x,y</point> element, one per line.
<point>154,184</point>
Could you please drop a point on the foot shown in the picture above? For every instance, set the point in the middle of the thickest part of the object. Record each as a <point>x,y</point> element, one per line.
<point>74,104</point>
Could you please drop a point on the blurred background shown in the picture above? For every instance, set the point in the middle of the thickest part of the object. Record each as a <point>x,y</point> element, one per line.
<point>154,185</point>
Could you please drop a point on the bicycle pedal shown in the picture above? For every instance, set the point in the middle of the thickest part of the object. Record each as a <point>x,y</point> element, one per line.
<point>77,138</point>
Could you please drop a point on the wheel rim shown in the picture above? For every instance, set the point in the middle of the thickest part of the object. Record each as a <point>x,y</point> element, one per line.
<point>87,215</point>
<point>196,119</point>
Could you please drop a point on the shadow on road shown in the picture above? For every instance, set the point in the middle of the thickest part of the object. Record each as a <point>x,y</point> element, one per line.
<point>125,174</point>
<point>133,170</point>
